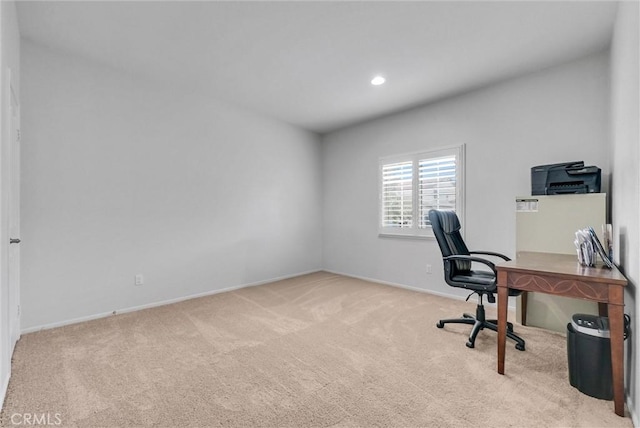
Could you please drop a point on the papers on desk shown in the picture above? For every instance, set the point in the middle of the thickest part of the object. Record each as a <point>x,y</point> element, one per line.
<point>588,245</point>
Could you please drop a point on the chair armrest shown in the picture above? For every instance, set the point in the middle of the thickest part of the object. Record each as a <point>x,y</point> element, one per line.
<point>491,253</point>
<point>471,259</point>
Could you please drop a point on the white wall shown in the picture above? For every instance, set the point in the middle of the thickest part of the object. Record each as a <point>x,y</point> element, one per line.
<point>559,114</point>
<point>625,158</point>
<point>10,58</point>
<point>122,177</point>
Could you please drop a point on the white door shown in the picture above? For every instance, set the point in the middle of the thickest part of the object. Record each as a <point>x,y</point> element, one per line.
<point>14,217</point>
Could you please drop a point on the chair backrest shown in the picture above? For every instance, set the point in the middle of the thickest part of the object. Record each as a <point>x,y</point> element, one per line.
<point>446,228</point>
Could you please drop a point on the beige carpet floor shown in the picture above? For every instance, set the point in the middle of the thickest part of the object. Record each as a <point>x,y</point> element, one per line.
<point>316,350</point>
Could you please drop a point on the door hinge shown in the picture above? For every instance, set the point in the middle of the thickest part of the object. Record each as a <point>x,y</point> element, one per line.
<point>18,136</point>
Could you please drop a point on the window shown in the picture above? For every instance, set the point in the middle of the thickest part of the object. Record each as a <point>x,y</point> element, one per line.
<point>411,185</point>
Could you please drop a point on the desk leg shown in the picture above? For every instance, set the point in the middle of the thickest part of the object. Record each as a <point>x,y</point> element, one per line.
<point>503,302</point>
<point>616,329</point>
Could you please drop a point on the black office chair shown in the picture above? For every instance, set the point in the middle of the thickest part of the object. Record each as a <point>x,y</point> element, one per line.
<point>458,272</point>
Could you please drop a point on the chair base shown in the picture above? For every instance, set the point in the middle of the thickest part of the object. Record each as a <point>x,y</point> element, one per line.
<point>480,323</point>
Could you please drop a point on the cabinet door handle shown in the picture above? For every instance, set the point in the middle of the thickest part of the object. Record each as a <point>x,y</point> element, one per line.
<point>14,241</point>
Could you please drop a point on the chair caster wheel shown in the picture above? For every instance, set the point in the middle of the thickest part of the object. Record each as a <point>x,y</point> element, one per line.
<point>470,344</point>
<point>519,347</point>
<point>440,324</point>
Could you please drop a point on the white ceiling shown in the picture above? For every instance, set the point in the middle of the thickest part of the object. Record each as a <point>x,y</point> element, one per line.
<point>310,63</point>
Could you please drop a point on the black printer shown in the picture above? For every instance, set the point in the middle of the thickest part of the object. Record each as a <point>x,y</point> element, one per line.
<point>565,178</point>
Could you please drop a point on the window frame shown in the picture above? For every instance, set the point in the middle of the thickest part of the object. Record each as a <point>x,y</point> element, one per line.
<point>415,231</point>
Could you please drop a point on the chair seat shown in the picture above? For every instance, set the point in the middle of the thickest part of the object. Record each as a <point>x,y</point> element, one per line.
<point>475,277</point>
<point>479,280</point>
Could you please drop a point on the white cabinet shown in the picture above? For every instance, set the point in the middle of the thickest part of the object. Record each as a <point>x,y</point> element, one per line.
<point>548,224</point>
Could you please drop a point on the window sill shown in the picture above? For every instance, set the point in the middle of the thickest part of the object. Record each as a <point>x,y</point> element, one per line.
<point>400,236</point>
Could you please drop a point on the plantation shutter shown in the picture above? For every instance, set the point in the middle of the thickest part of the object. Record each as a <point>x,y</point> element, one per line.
<point>437,184</point>
<point>397,195</point>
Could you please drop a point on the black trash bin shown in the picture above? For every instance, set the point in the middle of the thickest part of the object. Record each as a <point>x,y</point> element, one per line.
<point>589,353</point>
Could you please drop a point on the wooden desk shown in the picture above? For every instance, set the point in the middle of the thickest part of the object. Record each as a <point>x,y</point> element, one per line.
<point>561,274</point>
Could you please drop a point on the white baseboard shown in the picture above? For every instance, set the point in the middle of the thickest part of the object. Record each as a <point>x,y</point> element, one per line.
<point>3,390</point>
<point>632,412</point>
<point>160,303</point>
<point>236,287</point>
<point>512,306</point>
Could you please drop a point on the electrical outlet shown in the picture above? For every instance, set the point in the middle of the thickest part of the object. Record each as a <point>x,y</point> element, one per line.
<point>429,270</point>
<point>139,280</point>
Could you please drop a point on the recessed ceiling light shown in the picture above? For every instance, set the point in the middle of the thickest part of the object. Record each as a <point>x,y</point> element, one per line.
<point>378,80</point>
